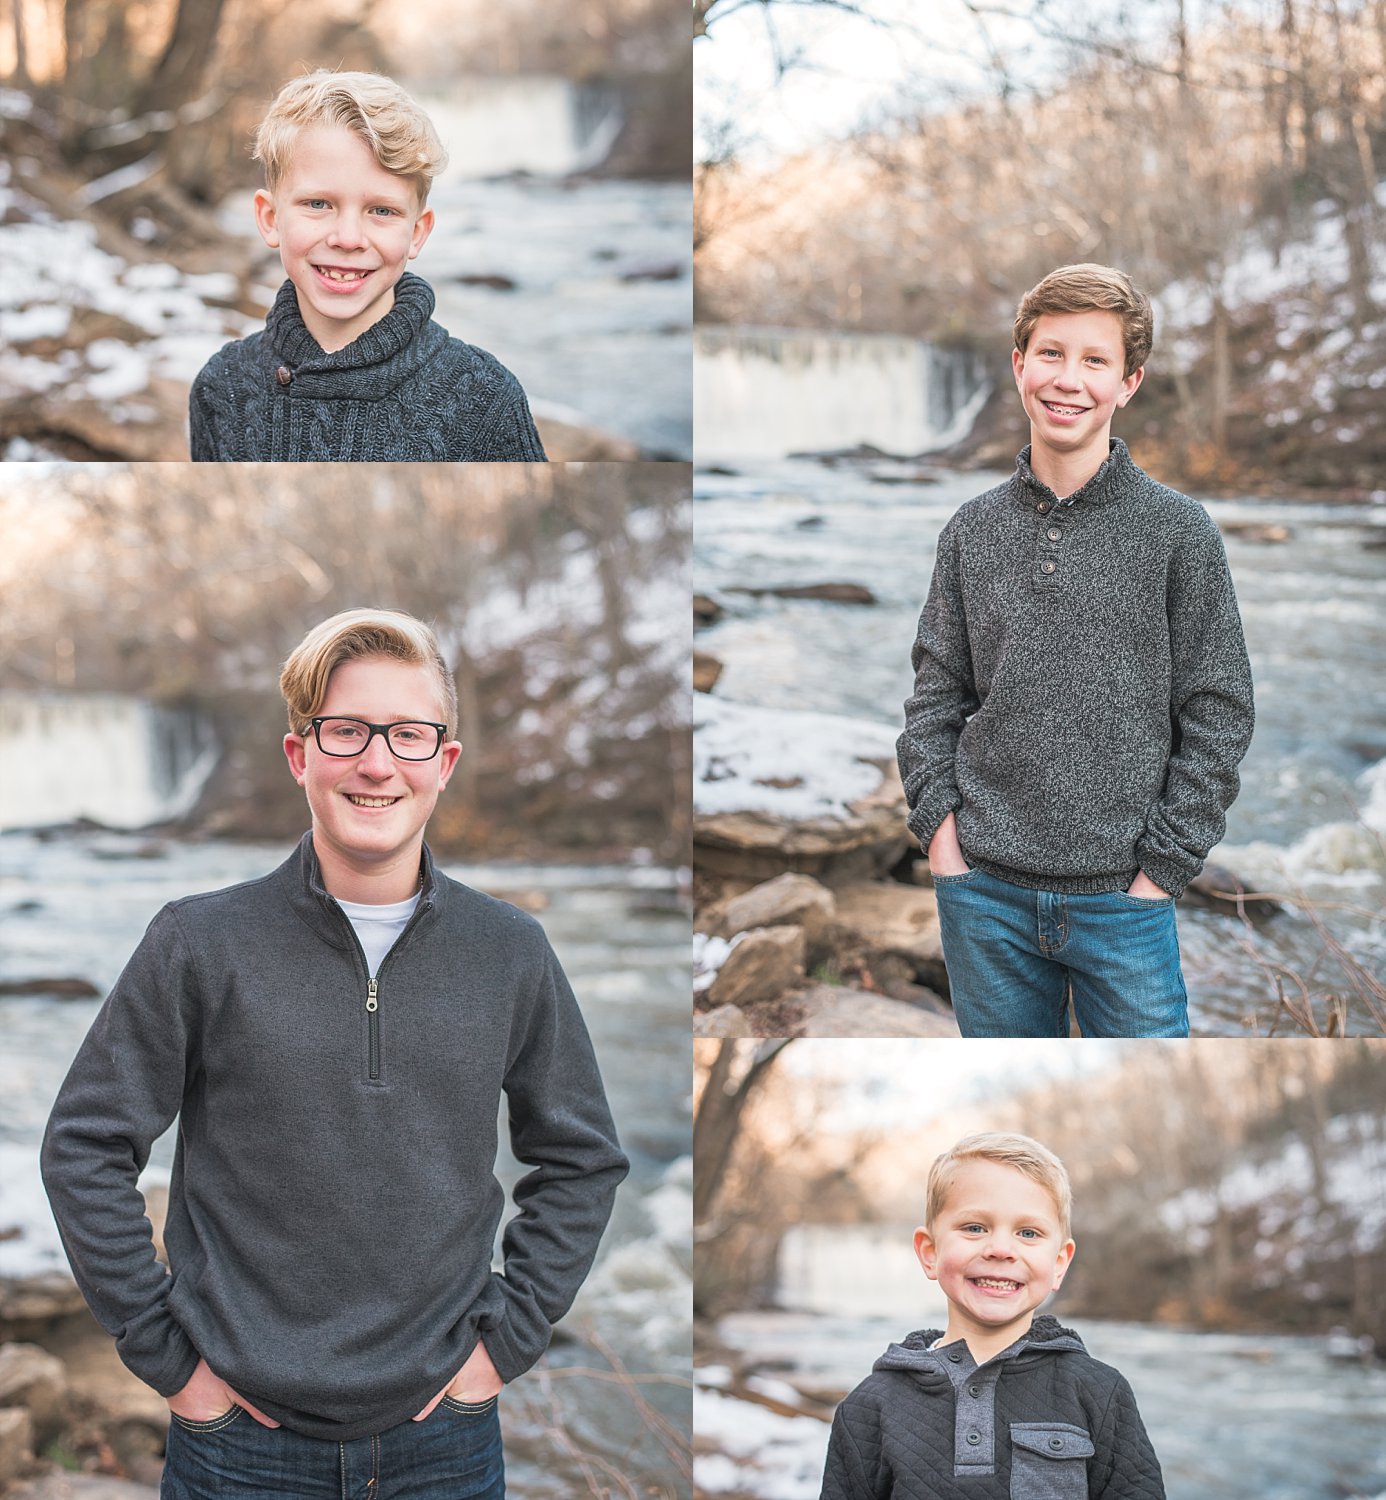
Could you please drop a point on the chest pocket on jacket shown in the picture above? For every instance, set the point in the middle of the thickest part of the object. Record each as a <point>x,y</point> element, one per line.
<point>1049,1461</point>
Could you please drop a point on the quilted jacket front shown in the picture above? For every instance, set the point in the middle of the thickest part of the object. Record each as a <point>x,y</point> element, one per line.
<point>1042,1420</point>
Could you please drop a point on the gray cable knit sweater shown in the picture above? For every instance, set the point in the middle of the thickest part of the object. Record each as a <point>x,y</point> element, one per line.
<point>402,391</point>
<point>1082,693</point>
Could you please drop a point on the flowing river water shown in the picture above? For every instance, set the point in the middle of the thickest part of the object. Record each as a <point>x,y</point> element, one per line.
<point>76,905</point>
<point>1312,811</point>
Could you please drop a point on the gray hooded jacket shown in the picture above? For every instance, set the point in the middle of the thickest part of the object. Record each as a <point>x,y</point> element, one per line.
<point>1042,1420</point>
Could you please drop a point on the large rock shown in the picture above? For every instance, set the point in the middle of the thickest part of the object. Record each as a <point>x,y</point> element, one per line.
<point>831,593</point>
<point>1223,890</point>
<point>761,966</point>
<point>16,1443</point>
<point>786,901</point>
<point>900,921</point>
<point>725,1021</point>
<point>34,1380</point>
<point>777,790</point>
<point>828,1011</point>
<point>706,670</point>
<point>30,1304</point>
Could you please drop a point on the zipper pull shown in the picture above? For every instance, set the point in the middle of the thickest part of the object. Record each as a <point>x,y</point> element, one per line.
<point>371,1006</point>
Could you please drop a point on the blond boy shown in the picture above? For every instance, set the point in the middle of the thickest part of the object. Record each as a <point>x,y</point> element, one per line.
<point>1002,1403</point>
<point>335,1039</point>
<point>1082,698</point>
<point>350,364</point>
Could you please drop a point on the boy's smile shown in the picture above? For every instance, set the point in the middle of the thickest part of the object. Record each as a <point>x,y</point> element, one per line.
<point>997,1250</point>
<point>346,230</point>
<point>1071,385</point>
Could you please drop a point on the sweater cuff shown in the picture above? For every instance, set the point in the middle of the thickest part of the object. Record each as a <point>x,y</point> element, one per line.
<point>167,1369</point>
<point>517,1334</point>
<point>929,812</point>
<point>1168,876</point>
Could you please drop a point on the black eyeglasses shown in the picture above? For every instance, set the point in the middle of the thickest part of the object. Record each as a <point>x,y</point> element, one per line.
<point>410,739</point>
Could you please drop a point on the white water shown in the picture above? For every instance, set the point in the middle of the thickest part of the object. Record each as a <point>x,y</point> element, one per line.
<point>767,393</point>
<point>114,759</point>
<point>548,125</point>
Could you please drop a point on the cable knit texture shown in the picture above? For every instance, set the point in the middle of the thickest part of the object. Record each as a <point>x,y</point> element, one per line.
<point>1042,1420</point>
<point>402,391</point>
<point>1082,693</point>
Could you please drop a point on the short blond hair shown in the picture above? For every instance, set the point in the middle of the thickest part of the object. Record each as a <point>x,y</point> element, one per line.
<point>349,636</point>
<point>1026,1155</point>
<point>400,135</point>
<point>1091,288</point>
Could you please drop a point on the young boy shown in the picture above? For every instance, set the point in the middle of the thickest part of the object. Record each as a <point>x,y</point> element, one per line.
<point>1001,1403</point>
<point>335,1039</point>
<point>350,364</point>
<point>1082,698</point>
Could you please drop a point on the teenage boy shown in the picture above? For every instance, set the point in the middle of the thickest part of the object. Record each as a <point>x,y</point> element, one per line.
<point>335,1039</point>
<point>1082,698</point>
<point>350,364</point>
<point>1000,1405</point>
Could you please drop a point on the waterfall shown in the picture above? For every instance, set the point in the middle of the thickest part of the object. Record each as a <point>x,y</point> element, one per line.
<point>119,761</point>
<point>766,393</point>
<point>532,123</point>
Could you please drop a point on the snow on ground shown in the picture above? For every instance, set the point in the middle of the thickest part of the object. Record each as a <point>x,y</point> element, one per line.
<point>53,267</point>
<point>1354,1183</point>
<point>787,764</point>
<point>760,1452</point>
<point>709,954</point>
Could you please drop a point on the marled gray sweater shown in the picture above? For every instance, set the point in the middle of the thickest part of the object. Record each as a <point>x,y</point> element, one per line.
<point>1082,693</point>
<point>403,391</point>
<point>333,1204</point>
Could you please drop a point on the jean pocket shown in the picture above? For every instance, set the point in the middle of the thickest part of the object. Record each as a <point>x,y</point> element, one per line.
<point>956,879</point>
<point>1049,1461</point>
<point>212,1424</point>
<point>1130,900</point>
<point>469,1408</point>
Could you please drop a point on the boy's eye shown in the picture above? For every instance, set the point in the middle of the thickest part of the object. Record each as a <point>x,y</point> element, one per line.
<point>384,212</point>
<point>1030,1234</point>
<point>315,203</point>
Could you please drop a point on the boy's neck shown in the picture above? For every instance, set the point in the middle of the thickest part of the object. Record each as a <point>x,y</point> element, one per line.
<point>382,884</point>
<point>984,1343</point>
<point>331,334</point>
<point>1066,473</point>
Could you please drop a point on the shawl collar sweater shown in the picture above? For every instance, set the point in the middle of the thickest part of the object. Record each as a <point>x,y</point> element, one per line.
<point>403,390</point>
<point>1082,693</point>
<point>1042,1420</point>
<point>333,1204</point>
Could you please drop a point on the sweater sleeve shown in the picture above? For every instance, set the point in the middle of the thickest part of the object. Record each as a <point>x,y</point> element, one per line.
<point>1212,711</point>
<point>846,1473</point>
<point>945,695</point>
<point>201,428</point>
<point>508,434</point>
<point>1125,1467</point>
<point>122,1092</point>
<point>561,1127</point>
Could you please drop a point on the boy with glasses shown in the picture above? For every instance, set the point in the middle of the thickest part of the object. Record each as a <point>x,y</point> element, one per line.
<point>335,1038</point>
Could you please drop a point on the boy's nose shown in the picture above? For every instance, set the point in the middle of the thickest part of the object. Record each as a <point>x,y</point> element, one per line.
<point>377,759</point>
<point>347,231</point>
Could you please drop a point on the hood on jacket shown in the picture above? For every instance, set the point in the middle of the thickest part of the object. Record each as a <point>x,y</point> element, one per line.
<point>1046,1336</point>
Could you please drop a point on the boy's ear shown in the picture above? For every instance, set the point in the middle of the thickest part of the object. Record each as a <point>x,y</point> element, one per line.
<point>926,1252</point>
<point>1064,1261</point>
<point>423,227</point>
<point>1017,363</point>
<point>1130,385</point>
<point>296,751</point>
<point>448,757</point>
<point>265,219</point>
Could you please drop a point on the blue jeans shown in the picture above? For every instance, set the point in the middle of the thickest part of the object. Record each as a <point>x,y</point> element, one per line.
<point>454,1454</point>
<point>1012,954</point>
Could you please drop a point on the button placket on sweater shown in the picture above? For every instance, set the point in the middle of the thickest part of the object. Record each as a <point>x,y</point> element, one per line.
<point>1053,521</point>
<point>974,1411</point>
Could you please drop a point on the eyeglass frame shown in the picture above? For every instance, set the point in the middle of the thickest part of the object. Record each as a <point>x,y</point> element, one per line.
<point>383,730</point>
